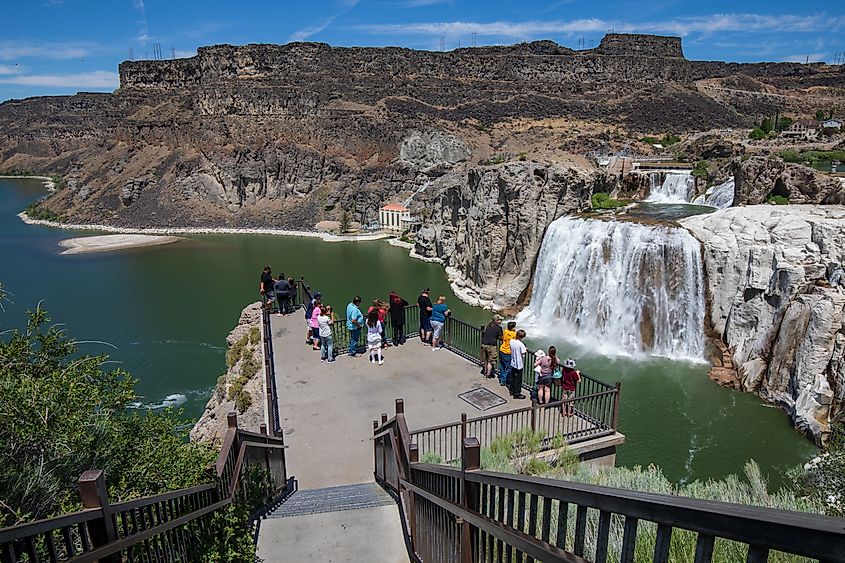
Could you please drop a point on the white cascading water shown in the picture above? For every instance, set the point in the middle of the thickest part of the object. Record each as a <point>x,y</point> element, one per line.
<point>621,288</point>
<point>678,186</point>
<point>720,197</point>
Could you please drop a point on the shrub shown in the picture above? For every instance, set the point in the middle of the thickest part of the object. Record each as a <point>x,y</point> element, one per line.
<point>823,478</point>
<point>603,201</point>
<point>431,457</point>
<point>522,157</point>
<point>233,354</point>
<point>243,402</point>
<point>35,211</point>
<point>254,335</point>
<point>493,160</point>
<point>757,134</point>
<point>790,156</point>
<point>249,365</point>
<point>700,169</point>
<point>777,200</point>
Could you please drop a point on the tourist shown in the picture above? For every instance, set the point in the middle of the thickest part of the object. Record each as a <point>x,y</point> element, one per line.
<point>534,390</point>
<point>439,312</point>
<point>490,345</point>
<point>547,363</point>
<point>505,352</point>
<point>354,322</point>
<point>266,287</point>
<point>397,317</point>
<point>309,308</point>
<point>326,320</point>
<point>518,352</point>
<point>381,310</point>
<point>424,303</point>
<point>282,290</point>
<point>316,311</point>
<point>374,329</point>
<point>292,295</point>
<point>569,379</point>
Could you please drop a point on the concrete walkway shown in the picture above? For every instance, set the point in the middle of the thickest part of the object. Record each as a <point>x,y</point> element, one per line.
<point>327,409</point>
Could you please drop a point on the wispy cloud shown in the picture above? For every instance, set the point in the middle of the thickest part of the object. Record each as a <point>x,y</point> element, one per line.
<point>677,26</point>
<point>306,32</point>
<point>11,69</point>
<point>99,79</point>
<point>143,30</point>
<point>807,57</point>
<point>421,3</point>
<point>10,51</point>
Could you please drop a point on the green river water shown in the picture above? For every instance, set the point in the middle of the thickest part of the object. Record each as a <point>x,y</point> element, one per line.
<point>165,312</point>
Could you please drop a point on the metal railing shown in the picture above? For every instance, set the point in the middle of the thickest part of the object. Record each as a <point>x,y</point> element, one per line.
<point>167,527</point>
<point>270,373</point>
<point>469,515</point>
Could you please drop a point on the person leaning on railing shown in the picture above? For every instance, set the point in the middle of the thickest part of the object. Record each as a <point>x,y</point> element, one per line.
<point>569,379</point>
<point>490,345</point>
<point>505,352</point>
<point>265,287</point>
<point>354,322</point>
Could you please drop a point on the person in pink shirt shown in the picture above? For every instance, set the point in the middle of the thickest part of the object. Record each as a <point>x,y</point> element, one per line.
<point>314,323</point>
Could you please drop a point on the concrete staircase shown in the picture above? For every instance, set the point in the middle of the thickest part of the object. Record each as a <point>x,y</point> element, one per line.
<point>346,523</point>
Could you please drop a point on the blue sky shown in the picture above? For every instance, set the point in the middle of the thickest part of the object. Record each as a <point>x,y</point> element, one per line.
<point>65,46</point>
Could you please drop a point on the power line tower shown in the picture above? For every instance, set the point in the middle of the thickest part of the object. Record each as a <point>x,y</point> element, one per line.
<point>157,51</point>
<point>580,43</point>
<point>131,54</point>
<point>474,36</point>
<point>442,42</point>
<point>172,52</point>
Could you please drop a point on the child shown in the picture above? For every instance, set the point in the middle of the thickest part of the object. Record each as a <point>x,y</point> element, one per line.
<point>374,337</point>
<point>518,352</point>
<point>326,320</point>
<point>568,381</point>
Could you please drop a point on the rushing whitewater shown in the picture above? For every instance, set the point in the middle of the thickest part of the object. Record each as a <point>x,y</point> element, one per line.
<point>678,186</point>
<point>620,287</point>
<point>720,197</point>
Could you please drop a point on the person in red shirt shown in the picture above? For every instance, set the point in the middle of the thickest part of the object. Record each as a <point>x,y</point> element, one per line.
<point>568,381</point>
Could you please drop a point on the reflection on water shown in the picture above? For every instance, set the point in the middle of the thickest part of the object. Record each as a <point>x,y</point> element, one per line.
<point>667,212</point>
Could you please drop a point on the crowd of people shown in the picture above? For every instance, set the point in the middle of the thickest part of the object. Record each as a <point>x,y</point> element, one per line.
<point>504,346</point>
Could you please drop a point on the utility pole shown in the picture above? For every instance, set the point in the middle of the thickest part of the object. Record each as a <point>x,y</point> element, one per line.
<point>131,54</point>
<point>442,42</point>
<point>172,52</point>
<point>474,35</point>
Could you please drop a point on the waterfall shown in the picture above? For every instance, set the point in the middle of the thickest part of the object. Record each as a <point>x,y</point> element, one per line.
<point>621,288</point>
<point>721,196</point>
<point>678,186</point>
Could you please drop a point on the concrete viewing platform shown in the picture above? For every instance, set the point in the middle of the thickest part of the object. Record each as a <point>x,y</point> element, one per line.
<point>327,409</point>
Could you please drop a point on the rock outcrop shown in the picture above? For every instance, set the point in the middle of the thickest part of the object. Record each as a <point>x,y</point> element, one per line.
<point>487,227</point>
<point>777,301</point>
<point>241,388</point>
<point>759,177</point>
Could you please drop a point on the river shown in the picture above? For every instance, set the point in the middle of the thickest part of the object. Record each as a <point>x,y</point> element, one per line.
<point>162,313</point>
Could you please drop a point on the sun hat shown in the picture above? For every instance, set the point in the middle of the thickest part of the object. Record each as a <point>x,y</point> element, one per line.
<point>569,363</point>
<point>539,354</point>
<point>498,318</point>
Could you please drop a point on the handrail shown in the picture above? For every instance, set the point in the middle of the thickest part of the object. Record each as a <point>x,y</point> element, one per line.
<point>467,514</point>
<point>103,531</point>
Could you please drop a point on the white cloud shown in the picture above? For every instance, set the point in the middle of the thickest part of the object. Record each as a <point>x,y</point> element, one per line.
<point>11,69</point>
<point>306,32</point>
<point>677,26</point>
<point>143,31</point>
<point>807,57</point>
<point>185,54</point>
<point>420,3</point>
<point>11,51</point>
<point>99,79</point>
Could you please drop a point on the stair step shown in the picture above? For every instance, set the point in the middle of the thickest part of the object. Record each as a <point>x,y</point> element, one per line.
<point>332,499</point>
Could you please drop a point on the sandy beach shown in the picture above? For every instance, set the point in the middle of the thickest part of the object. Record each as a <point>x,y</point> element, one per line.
<point>106,243</point>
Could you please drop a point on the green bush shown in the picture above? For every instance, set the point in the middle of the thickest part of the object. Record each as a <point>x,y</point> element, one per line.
<point>70,416</point>
<point>757,134</point>
<point>233,354</point>
<point>777,200</point>
<point>249,365</point>
<point>431,457</point>
<point>823,478</point>
<point>254,335</point>
<point>603,201</point>
<point>493,160</point>
<point>790,155</point>
<point>522,157</point>
<point>243,402</point>
<point>700,169</point>
<point>35,211</point>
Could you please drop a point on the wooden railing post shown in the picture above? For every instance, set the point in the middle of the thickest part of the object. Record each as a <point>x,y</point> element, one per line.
<point>92,489</point>
<point>615,420</point>
<point>375,450</point>
<point>470,461</point>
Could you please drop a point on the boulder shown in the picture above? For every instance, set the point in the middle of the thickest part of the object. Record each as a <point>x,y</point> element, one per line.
<point>430,149</point>
<point>709,147</point>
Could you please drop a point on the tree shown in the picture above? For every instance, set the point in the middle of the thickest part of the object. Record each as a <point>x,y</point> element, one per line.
<point>784,123</point>
<point>757,134</point>
<point>63,414</point>
<point>766,125</point>
<point>823,478</point>
<point>819,115</point>
<point>344,222</point>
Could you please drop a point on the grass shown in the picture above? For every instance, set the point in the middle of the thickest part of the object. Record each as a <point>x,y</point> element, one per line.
<point>777,200</point>
<point>604,201</point>
<point>493,160</point>
<point>812,157</point>
<point>35,211</point>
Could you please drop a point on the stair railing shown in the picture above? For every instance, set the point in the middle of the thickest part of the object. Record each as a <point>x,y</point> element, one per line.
<point>167,527</point>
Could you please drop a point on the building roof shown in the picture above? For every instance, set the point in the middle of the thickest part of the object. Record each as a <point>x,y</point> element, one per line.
<point>839,121</point>
<point>808,123</point>
<point>394,207</point>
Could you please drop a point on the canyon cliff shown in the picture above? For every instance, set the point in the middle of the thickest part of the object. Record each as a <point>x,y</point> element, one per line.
<point>776,290</point>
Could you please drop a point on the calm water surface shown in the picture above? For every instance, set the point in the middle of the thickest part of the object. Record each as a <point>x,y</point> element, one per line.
<point>165,312</point>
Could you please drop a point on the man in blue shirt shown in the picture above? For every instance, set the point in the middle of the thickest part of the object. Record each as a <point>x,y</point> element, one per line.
<point>354,322</point>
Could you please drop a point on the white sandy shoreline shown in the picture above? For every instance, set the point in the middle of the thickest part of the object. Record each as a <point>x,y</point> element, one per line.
<point>107,243</point>
<point>327,237</point>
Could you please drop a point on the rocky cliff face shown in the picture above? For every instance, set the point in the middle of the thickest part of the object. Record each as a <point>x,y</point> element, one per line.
<point>241,388</point>
<point>777,301</point>
<point>758,178</point>
<point>487,227</point>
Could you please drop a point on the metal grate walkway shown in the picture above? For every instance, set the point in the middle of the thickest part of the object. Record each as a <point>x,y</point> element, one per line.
<point>332,499</point>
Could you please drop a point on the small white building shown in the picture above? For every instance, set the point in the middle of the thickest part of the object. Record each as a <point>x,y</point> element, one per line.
<point>806,129</point>
<point>834,124</point>
<point>394,217</point>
